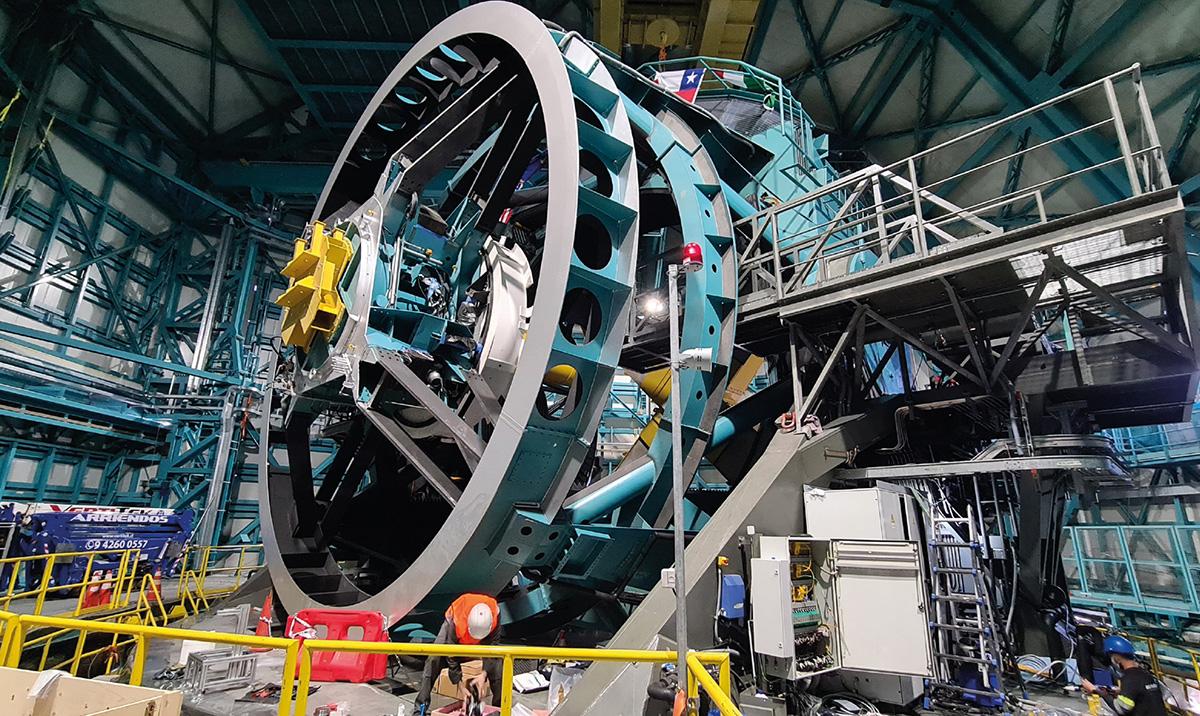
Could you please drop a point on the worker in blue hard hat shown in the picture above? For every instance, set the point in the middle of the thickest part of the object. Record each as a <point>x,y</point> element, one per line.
<point>1139,694</point>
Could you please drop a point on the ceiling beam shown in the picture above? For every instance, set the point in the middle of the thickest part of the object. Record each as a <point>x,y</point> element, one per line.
<point>169,178</point>
<point>941,126</point>
<point>324,43</point>
<point>227,60</point>
<point>1187,128</point>
<point>996,60</point>
<point>712,31</point>
<point>1098,39</point>
<point>814,52</point>
<point>900,65</point>
<point>609,24</point>
<point>268,116</point>
<point>921,135</point>
<point>102,61</point>
<point>1062,22</point>
<point>221,52</point>
<point>766,11</point>
<point>151,68</point>
<point>945,121</point>
<point>270,45</point>
<point>850,51</point>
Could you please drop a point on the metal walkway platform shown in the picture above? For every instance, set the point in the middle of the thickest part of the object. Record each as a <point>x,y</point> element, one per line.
<point>1073,287</point>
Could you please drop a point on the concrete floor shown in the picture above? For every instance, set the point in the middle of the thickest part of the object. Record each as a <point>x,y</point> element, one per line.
<point>1063,704</point>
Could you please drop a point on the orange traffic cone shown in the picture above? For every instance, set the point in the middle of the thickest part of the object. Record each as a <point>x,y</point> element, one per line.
<point>106,589</point>
<point>93,591</point>
<point>263,628</point>
<point>154,594</point>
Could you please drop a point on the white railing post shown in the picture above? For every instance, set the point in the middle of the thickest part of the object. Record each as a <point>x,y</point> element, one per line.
<point>775,253</point>
<point>880,219</point>
<point>921,248</point>
<point>1164,177</point>
<point>1110,93</point>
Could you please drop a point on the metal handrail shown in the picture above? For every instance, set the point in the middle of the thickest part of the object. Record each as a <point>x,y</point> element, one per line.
<point>1133,70</point>
<point>866,221</point>
<point>1091,590</point>
<point>121,582</point>
<point>17,626</point>
<point>299,652</point>
<point>510,653</point>
<point>1157,443</point>
<point>209,555</point>
<point>1156,659</point>
<point>196,565</point>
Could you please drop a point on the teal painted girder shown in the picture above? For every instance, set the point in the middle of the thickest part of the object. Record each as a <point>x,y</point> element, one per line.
<point>109,315</point>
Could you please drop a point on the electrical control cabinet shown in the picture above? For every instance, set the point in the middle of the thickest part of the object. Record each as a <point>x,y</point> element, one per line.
<point>883,512</point>
<point>822,605</point>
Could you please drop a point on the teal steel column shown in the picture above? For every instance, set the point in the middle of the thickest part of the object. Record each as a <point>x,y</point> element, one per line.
<point>1083,581</point>
<point>1189,584</point>
<point>6,463</point>
<point>1133,580</point>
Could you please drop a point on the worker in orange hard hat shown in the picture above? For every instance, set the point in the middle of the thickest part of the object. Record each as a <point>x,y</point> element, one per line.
<point>471,619</point>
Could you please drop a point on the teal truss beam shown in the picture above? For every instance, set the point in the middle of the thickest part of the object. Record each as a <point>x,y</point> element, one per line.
<point>848,52</point>
<point>996,60</point>
<point>154,414</point>
<point>89,347</point>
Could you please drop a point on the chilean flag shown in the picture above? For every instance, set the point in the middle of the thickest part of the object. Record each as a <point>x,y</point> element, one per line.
<point>685,83</point>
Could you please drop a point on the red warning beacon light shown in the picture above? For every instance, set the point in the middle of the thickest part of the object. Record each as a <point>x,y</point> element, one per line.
<point>693,257</point>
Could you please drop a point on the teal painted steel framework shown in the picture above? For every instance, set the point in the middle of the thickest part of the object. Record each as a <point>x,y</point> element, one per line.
<point>136,396</point>
<point>1131,571</point>
<point>131,355</point>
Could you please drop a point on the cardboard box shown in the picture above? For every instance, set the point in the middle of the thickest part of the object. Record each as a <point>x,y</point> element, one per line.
<point>470,669</point>
<point>22,695</point>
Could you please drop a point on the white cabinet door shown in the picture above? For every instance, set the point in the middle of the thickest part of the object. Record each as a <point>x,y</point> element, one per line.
<point>882,617</point>
<point>771,597</point>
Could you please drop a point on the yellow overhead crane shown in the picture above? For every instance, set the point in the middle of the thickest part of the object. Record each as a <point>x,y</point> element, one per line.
<point>712,28</point>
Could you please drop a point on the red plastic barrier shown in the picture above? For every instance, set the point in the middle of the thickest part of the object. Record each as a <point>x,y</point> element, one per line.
<point>334,666</point>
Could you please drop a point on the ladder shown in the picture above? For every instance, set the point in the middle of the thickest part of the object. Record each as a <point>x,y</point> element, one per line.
<point>966,650</point>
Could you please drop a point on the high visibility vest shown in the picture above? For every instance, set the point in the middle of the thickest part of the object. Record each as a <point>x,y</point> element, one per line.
<point>460,611</point>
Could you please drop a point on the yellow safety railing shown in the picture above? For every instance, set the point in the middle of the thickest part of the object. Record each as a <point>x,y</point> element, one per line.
<point>41,568</point>
<point>298,653</point>
<point>150,605</point>
<point>718,691</point>
<point>697,676</point>
<point>149,609</point>
<point>127,600</point>
<point>227,565</point>
<point>201,574</point>
<point>17,627</point>
<point>1176,674</point>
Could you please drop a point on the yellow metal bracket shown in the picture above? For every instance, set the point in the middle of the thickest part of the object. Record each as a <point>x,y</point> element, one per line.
<point>311,304</point>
